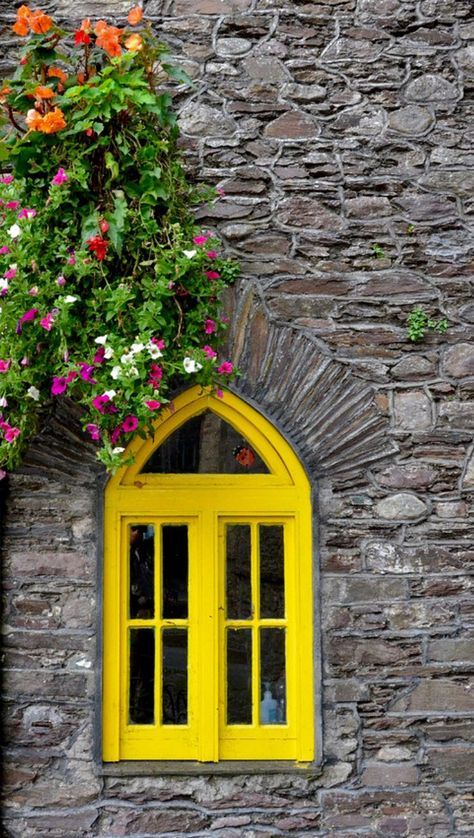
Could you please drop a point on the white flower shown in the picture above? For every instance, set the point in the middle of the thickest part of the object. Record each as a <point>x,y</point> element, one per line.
<point>190,365</point>
<point>126,358</point>
<point>116,372</point>
<point>14,231</point>
<point>3,284</point>
<point>190,253</point>
<point>153,350</point>
<point>69,299</point>
<point>132,371</point>
<point>33,393</point>
<point>101,339</point>
<point>110,393</point>
<point>136,348</point>
<point>118,450</point>
<point>109,352</point>
<point>3,402</point>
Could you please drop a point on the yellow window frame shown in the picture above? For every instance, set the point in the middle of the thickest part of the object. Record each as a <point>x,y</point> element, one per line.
<point>206,503</point>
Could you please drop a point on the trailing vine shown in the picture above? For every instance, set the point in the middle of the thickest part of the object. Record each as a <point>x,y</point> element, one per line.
<point>108,291</point>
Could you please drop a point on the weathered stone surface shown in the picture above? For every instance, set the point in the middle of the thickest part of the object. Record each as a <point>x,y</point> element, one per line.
<point>458,360</point>
<point>210,7</point>
<point>412,410</point>
<point>293,125</point>
<point>197,119</point>
<point>307,212</point>
<point>401,507</point>
<point>456,650</point>
<point>411,120</point>
<point>408,476</point>
<point>438,696</point>
<point>431,88</point>
<point>383,774</point>
<point>267,69</point>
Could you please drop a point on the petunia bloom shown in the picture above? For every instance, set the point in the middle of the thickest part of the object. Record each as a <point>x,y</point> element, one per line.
<point>26,213</point>
<point>225,368</point>
<point>6,179</point>
<point>190,365</point>
<point>59,385</point>
<point>33,393</point>
<point>153,404</point>
<point>47,321</point>
<point>60,177</point>
<point>212,254</point>
<point>12,434</point>
<point>129,424</point>
<point>93,430</point>
<point>4,365</point>
<point>209,352</point>
<point>200,240</point>
<point>11,273</point>
<point>4,250</point>
<point>86,372</point>
<point>14,231</point>
<point>210,326</point>
<point>212,274</point>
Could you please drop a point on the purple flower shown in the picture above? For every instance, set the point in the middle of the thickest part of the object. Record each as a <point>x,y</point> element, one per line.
<point>61,280</point>
<point>25,318</point>
<point>99,402</point>
<point>10,274</point>
<point>59,385</point>
<point>99,356</point>
<point>59,178</point>
<point>86,372</point>
<point>116,434</point>
<point>3,250</point>
<point>6,179</point>
<point>129,424</point>
<point>93,430</point>
<point>4,365</point>
<point>26,213</point>
<point>47,321</point>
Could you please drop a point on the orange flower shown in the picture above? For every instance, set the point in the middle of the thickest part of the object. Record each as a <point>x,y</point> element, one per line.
<point>40,22</point>
<point>86,25</point>
<point>135,15</point>
<point>53,121</point>
<point>134,43</point>
<point>21,28</point>
<point>108,38</point>
<point>57,73</point>
<point>34,120</point>
<point>42,92</point>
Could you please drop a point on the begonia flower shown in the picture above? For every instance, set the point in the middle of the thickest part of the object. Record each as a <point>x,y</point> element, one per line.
<point>134,43</point>
<point>135,15</point>
<point>98,245</point>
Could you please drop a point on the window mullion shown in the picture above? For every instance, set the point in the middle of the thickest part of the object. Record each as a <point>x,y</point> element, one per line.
<point>207,635</point>
<point>255,575</point>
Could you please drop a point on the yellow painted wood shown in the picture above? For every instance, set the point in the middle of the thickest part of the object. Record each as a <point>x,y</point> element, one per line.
<point>206,503</point>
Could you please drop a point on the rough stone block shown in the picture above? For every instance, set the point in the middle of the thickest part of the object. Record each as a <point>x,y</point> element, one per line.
<point>401,507</point>
<point>455,650</point>
<point>412,410</point>
<point>437,696</point>
<point>385,774</point>
<point>458,360</point>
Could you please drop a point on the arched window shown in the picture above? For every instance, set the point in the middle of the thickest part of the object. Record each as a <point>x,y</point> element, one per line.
<point>208,592</point>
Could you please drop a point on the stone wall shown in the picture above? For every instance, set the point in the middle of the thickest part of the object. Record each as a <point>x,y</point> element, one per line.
<point>341,132</point>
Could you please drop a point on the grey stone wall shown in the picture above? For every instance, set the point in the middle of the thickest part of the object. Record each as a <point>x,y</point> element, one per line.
<point>341,132</point>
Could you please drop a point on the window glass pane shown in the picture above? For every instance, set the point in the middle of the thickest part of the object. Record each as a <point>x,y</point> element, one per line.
<point>272,589</point>
<point>142,676</point>
<point>272,676</point>
<point>175,571</point>
<point>238,580</point>
<point>142,556</point>
<point>239,676</point>
<point>205,445</point>
<point>175,677</point>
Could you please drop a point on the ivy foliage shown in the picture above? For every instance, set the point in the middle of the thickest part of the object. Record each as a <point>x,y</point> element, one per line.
<point>108,291</point>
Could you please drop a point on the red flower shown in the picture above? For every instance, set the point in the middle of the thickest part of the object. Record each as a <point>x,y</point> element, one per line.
<point>99,246</point>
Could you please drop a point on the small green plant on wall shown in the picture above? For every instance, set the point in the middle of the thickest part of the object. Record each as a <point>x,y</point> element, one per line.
<point>108,291</point>
<point>419,323</point>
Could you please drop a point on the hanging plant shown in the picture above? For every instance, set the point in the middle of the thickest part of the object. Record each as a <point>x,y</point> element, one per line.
<point>108,292</point>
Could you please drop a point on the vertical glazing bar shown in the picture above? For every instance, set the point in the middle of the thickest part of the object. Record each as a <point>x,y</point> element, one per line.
<point>256,617</point>
<point>159,640</point>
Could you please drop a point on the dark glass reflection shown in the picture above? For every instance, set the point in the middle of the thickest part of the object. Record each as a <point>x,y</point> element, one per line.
<point>272,583</point>
<point>239,676</point>
<point>175,571</point>
<point>205,445</point>
<point>272,676</point>
<point>175,677</point>
<point>142,554</point>
<point>142,676</point>
<point>238,564</point>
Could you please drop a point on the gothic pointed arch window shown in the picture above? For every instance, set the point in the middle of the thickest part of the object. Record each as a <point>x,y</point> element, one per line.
<point>207,592</point>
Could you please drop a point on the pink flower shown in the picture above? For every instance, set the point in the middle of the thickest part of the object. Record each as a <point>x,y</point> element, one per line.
<point>219,393</point>
<point>71,375</point>
<point>159,343</point>
<point>212,254</point>
<point>129,424</point>
<point>210,326</point>
<point>116,434</point>
<point>220,191</point>
<point>72,258</point>
<point>225,368</point>
<point>4,365</point>
<point>153,404</point>
<point>61,280</point>
<point>99,402</point>
<point>12,205</point>
<point>86,372</point>
<point>59,178</point>
<point>25,361</point>
<point>26,213</point>
<point>3,474</point>
<point>10,274</point>
<point>200,240</point>
<point>4,250</point>
<point>99,356</point>
<point>213,274</point>
<point>210,352</point>
<point>59,385</point>
<point>33,292</point>
<point>29,315</point>
<point>92,429</point>
<point>12,434</point>
<point>6,179</point>
<point>47,321</point>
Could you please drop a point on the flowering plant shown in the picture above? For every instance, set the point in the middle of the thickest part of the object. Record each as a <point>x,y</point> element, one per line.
<point>108,292</point>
